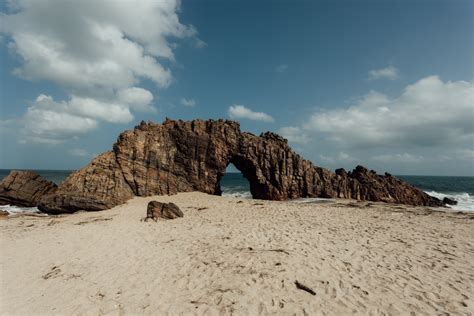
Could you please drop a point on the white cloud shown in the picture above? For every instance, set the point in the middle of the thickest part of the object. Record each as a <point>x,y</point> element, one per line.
<point>294,134</point>
<point>241,112</point>
<point>88,43</point>
<point>92,108</point>
<point>188,102</point>
<point>137,98</point>
<point>50,122</point>
<point>98,51</point>
<point>429,112</point>
<point>281,68</point>
<point>78,152</point>
<point>399,158</point>
<point>384,73</point>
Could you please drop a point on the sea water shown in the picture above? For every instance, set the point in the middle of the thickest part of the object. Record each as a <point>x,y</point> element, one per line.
<point>233,184</point>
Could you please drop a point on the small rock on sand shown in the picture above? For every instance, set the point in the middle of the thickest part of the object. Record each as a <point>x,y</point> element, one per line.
<point>157,210</point>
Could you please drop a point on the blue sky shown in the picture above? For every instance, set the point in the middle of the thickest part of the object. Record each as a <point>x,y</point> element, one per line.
<point>386,84</point>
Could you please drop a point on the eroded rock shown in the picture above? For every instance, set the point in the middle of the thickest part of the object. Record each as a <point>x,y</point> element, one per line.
<point>449,201</point>
<point>24,188</point>
<point>98,186</point>
<point>184,156</point>
<point>157,210</point>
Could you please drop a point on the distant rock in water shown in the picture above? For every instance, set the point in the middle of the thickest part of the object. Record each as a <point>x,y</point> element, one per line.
<point>24,188</point>
<point>449,201</point>
<point>183,156</point>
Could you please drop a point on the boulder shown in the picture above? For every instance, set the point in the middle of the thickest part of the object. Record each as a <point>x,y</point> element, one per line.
<point>157,210</point>
<point>24,188</point>
<point>183,156</point>
<point>449,201</point>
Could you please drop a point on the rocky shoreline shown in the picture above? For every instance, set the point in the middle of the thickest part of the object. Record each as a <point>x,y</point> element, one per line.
<point>185,156</point>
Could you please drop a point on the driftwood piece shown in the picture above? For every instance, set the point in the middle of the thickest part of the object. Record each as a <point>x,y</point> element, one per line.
<point>304,288</point>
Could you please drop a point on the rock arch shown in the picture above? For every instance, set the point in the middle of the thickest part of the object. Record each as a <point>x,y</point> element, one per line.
<point>183,156</point>
<point>249,172</point>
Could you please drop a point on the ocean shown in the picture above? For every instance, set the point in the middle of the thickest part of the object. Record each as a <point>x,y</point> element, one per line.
<point>460,189</point>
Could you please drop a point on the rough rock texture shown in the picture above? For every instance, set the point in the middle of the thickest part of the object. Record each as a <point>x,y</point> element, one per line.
<point>180,156</point>
<point>157,210</point>
<point>4,213</point>
<point>98,186</point>
<point>24,188</point>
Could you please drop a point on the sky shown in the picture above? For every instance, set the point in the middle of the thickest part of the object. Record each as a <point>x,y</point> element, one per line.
<point>386,84</point>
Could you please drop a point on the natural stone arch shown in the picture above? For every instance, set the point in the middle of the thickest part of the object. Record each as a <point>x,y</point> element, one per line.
<point>230,176</point>
<point>249,172</point>
<point>184,156</point>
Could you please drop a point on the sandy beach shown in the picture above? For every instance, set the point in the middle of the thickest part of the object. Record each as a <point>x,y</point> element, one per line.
<point>237,256</point>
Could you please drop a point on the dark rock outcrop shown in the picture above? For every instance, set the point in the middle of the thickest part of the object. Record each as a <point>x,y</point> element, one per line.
<point>449,201</point>
<point>24,188</point>
<point>157,210</point>
<point>183,156</point>
<point>3,214</point>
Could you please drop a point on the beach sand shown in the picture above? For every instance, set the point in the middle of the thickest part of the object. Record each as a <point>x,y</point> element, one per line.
<point>236,256</point>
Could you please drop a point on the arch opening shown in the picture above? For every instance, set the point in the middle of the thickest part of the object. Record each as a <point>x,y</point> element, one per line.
<point>233,183</point>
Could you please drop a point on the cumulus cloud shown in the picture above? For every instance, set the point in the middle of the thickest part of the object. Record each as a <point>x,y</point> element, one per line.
<point>49,122</point>
<point>136,98</point>
<point>429,112</point>
<point>384,73</point>
<point>294,134</point>
<point>98,51</point>
<point>241,112</point>
<point>281,68</point>
<point>188,102</point>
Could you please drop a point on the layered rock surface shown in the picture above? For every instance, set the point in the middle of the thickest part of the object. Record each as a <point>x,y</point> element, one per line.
<point>98,186</point>
<point>157,210</point>
<point>24,188</point>
<point>181,156</point>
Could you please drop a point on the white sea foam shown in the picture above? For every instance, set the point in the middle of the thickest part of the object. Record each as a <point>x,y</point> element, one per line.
<point>12,209</point>
<point>465,200</point>
<point>241,195</point>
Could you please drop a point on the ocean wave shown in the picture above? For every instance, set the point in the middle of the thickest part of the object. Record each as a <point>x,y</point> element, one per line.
<point>12,209</point>
<point>464,199</point>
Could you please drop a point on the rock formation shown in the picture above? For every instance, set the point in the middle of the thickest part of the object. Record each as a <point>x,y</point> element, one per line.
<point>182,156</point>
<point>98,186</point>
<point>157,210</point>
<point>449,201</point>
<point>24,188</point>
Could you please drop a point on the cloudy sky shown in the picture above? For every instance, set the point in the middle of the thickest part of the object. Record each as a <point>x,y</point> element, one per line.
<point>386,84</point>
